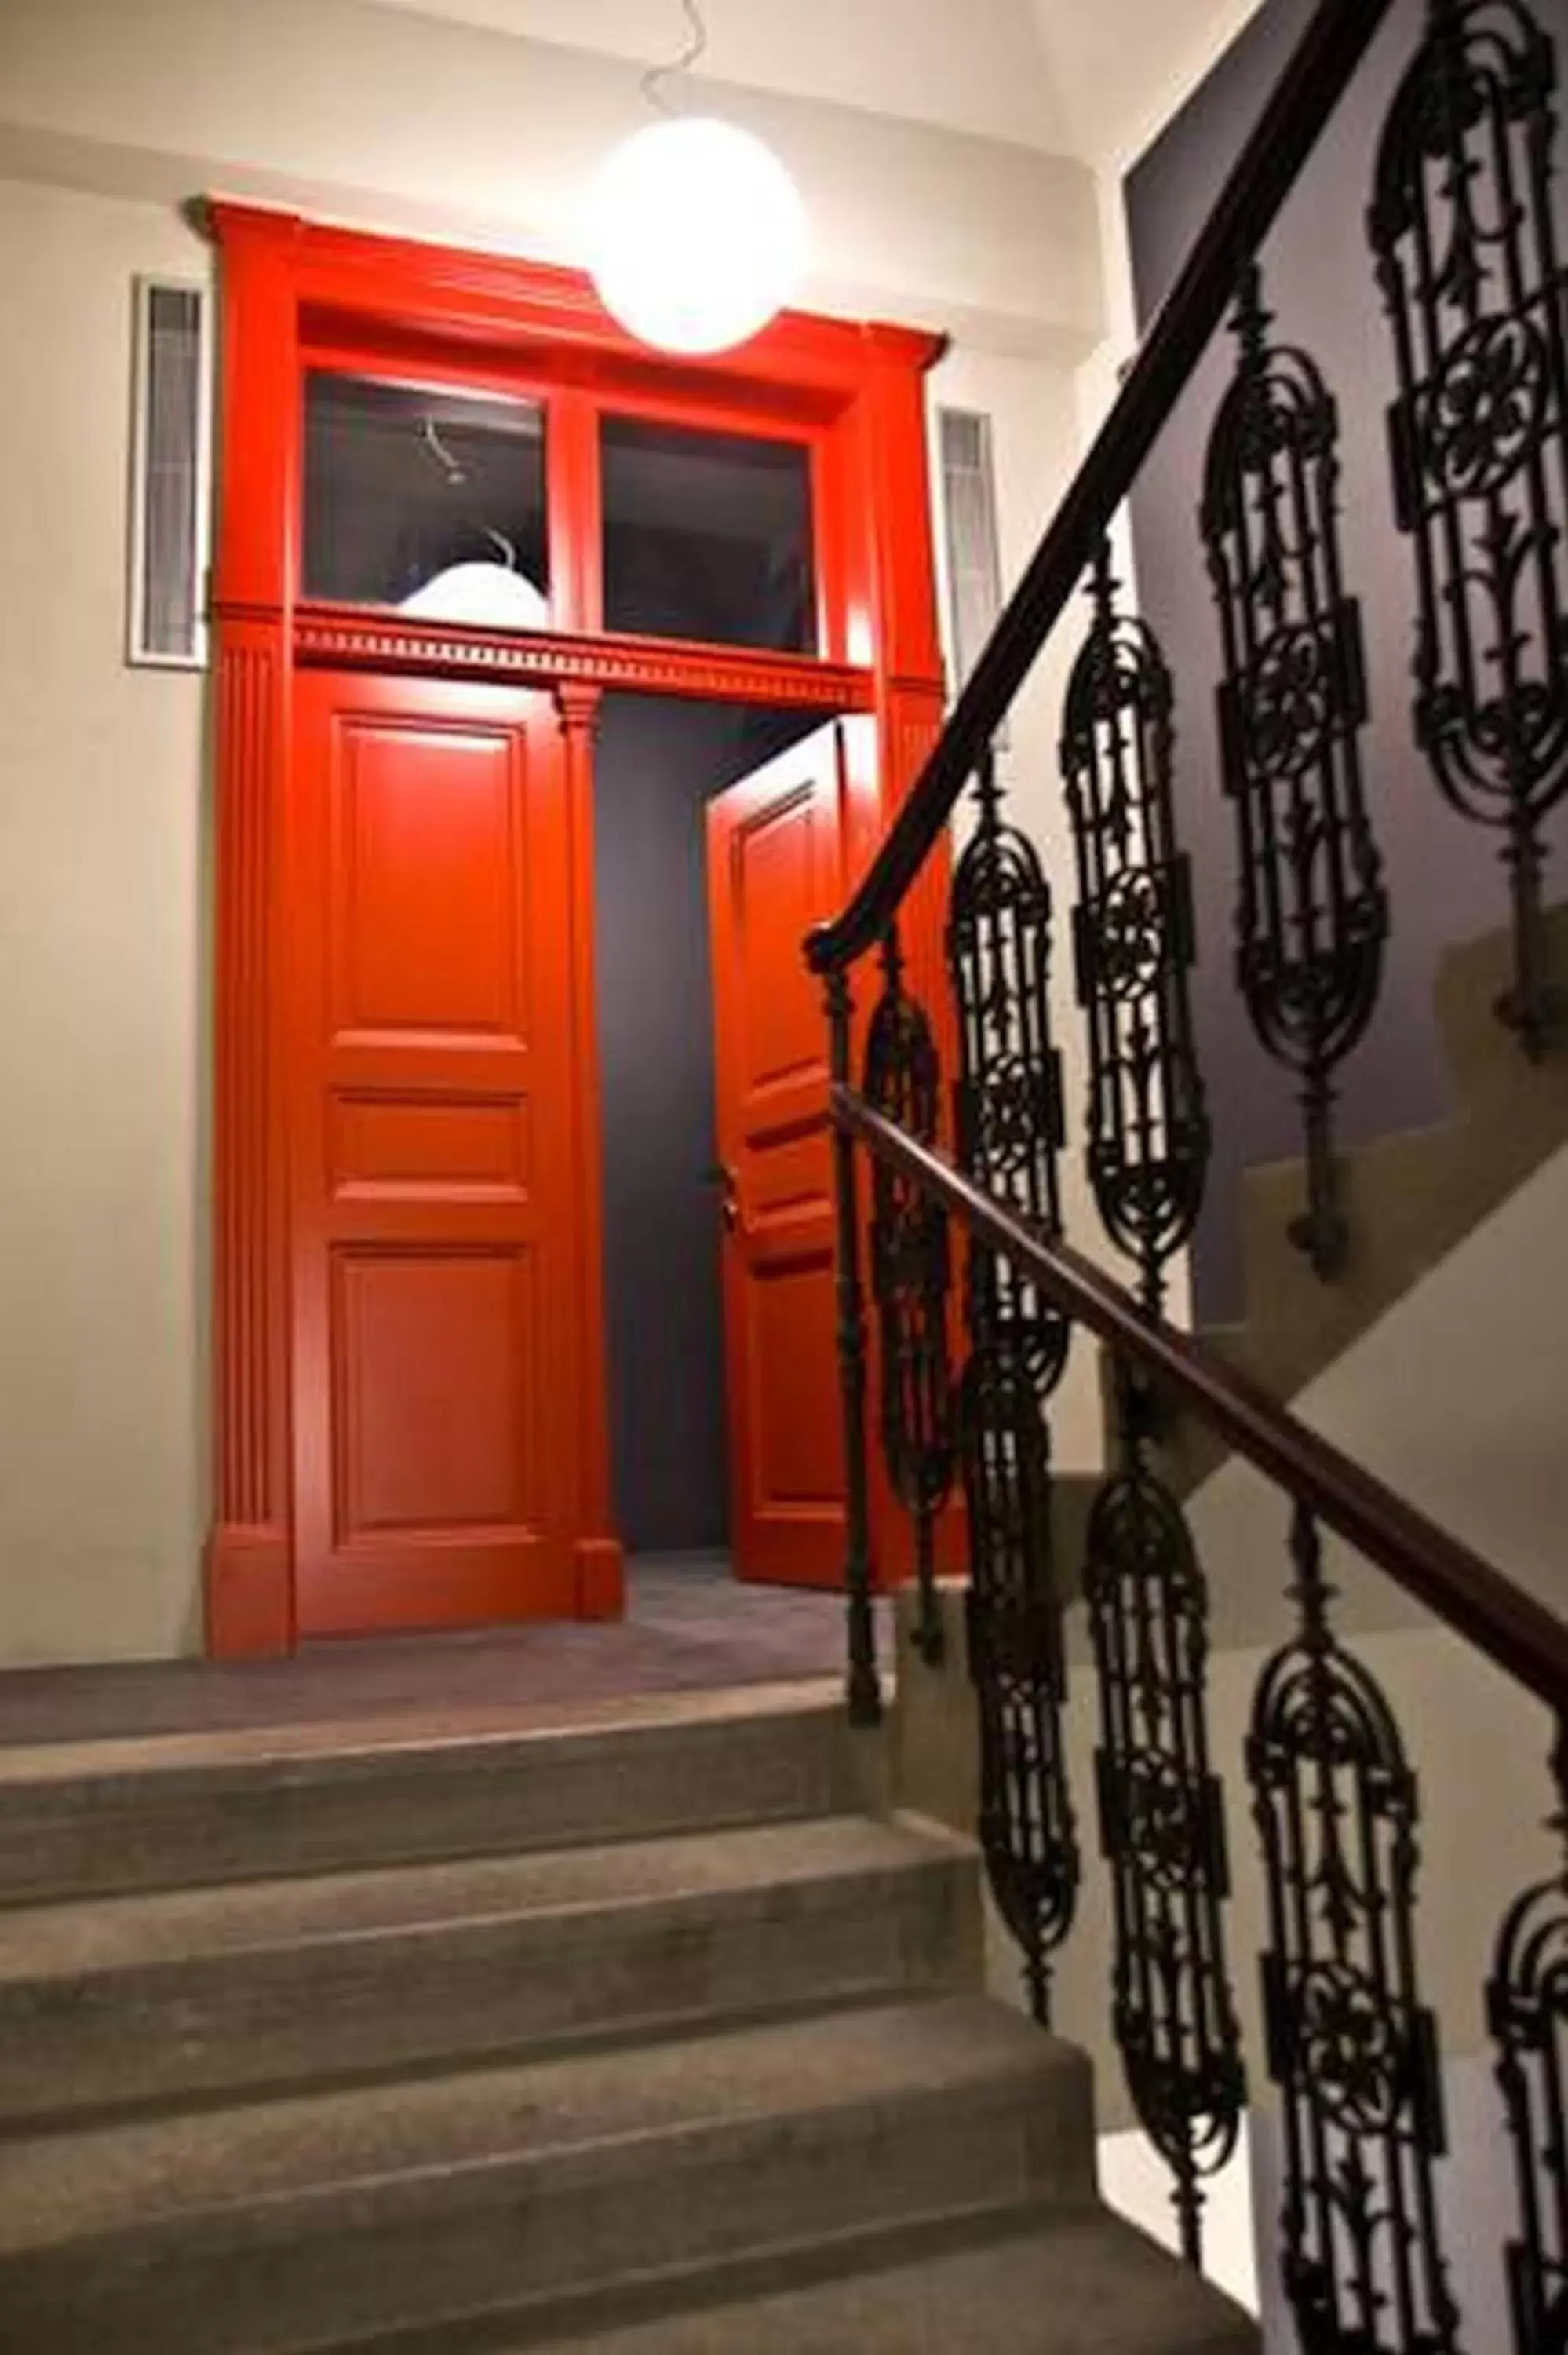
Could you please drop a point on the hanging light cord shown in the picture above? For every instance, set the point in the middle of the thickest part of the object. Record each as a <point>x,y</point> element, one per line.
<point>654,80</point>
<point>452,468</point>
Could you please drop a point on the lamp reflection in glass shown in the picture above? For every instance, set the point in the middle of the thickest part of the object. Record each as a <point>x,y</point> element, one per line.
<point>486,593</point>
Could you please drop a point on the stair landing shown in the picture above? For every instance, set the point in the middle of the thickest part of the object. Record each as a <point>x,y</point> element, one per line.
<point>690,1627</point>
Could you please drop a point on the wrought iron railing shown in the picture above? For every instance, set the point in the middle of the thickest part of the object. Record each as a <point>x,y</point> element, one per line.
<point>965,1217</point>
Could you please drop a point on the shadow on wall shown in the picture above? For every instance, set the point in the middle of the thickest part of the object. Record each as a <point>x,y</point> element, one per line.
<point>1444,879</point>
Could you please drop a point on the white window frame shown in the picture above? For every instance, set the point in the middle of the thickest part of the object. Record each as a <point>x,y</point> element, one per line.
<point>137,652</point>
<point>957,676</point>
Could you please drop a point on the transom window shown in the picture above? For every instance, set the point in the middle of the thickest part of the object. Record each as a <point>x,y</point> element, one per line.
<point>429,501</point>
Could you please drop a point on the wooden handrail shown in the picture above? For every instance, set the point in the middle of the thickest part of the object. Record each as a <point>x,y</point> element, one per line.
<point>1327,58</point>
<point>1520,1635</point>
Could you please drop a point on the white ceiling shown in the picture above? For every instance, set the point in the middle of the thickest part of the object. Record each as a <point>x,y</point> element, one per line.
<point>1120,68</point>
<point>1092,78</point>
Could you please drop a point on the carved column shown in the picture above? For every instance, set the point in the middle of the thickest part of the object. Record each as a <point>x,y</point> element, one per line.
<point>576,512</point>
<point>911,705</point>
<point>249,1565</point>
<point>600,1557</point>
<point>911,689</point>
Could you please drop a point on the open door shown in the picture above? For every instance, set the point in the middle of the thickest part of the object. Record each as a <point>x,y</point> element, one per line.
<point>776,868</point>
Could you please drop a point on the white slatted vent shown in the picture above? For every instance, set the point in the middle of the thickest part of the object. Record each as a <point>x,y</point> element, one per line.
<point>969,529</point>
<point>170,472</point>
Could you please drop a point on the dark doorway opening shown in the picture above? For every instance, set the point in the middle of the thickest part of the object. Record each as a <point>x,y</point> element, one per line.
<point>659,762</point>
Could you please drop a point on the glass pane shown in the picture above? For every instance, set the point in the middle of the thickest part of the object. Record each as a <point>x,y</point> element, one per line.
<point>172,392</point>
<point>433,502</point>
<point>707,536</point>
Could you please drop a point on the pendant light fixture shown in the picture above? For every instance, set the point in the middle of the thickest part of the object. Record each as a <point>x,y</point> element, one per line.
<point>696,232</point>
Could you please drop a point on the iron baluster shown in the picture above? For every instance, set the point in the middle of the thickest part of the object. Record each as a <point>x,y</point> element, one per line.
<point>1161,1814</point>
<point>1527,2010</point>
<point>1009,1098</point>
<point>1010,1133</point>
<point>1018,1661</point>
<point>1162,1828</point>
<point>1148,1150</point>
<point>863,1688</point>
<point>1351,2046</point>
<point>1461,226</point>
<point>911,1277</point>
<point>1312,912</point>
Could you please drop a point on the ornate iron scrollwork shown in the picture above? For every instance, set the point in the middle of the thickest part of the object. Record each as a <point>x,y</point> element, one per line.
<point>1160,1811</point>
<point>1027,1833</point>
<point>1010,1131</point>
<point>1008,1097</point>
<point>1526,2009</point>
<point>1162,1828</point>
<point>1461,225</point>
<point>1313,915</point>
<point>1132,937</point>
<point>910,1283</point>
<point>1351,2046</point>
<point>862,1686</point>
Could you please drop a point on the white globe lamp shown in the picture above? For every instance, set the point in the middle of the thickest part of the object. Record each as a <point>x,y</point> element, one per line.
<point>696,235</point>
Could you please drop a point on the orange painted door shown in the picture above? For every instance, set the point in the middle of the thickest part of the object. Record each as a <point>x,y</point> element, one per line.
<point>775,867</point>
<point>433,1363</point>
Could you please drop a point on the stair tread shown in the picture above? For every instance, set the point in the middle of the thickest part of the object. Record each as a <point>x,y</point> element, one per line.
<point>1075,2286</point>
<point>326,1746</point>
<point>60,2188</point>
<point>182,1926</point>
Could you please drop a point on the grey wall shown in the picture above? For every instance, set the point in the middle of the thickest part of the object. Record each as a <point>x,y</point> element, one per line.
<point>658,762</point>
<point>1444,879</point>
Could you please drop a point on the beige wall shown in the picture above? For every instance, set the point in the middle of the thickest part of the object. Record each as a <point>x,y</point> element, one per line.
<point>1480,1752</point>
<point>394,119</point>
<point>1454,1398</point>
<point>109,118</point>
<point>1479,1748</point>
<point>102,1182</point>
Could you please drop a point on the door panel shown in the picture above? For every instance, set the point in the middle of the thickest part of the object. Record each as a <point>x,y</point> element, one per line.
<point>796,1456</point>
<point>399,1146</point>
<point>775,867</point>
<point>429,880</point>
<point>432,1235</point>
<point>437,1359</point>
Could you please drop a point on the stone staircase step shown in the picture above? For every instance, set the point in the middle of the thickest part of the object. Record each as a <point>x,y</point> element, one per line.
<point>101,1817</point>
<point>235,1988</point>
<point>1087,2285</point>
<point>292,2224</point>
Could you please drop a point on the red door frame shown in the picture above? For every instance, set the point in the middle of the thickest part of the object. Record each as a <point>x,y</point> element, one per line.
<point>294,293</point>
